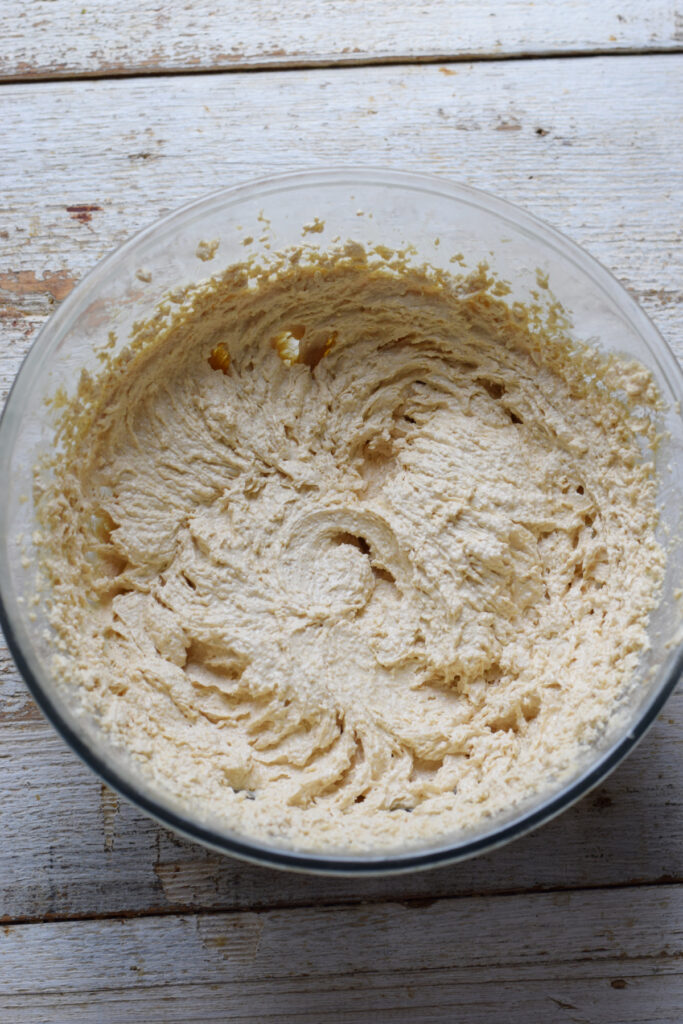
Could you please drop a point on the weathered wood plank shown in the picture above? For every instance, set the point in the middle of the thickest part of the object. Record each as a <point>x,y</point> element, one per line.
<point>65,38</point>
<point>602,168</point>
<point>607,956</point>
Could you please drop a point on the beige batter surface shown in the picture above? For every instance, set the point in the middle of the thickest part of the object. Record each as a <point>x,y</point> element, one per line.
<point>351,556</point>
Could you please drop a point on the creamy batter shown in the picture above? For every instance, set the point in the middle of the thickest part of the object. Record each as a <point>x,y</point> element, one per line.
<point>351,555</point>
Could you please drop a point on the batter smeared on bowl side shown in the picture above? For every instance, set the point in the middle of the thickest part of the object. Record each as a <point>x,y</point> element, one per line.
<point>351,554</point>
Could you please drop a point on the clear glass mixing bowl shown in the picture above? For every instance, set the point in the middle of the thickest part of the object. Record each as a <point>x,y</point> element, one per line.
<point>371,206</point>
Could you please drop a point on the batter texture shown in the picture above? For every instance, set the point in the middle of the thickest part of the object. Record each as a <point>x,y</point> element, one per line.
<point>352,555</point>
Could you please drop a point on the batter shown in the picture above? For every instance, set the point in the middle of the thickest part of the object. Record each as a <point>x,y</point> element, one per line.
<point>351,555</point>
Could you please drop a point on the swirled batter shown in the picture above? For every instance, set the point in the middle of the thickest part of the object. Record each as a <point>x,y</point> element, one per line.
<point>353,555</point>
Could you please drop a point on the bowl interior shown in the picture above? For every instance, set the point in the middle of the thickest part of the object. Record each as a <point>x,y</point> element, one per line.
<point>440,221</point>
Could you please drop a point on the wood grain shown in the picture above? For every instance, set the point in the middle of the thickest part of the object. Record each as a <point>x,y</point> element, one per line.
<point>585,143</point>
<point>611,957</point>
<point>69,38</point>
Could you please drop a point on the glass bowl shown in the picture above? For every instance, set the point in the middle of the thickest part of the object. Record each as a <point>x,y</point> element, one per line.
<point>377,206</point>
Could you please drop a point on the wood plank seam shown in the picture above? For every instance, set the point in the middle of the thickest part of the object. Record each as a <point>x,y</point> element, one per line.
<point>408,903</point>
<point>341,61</point>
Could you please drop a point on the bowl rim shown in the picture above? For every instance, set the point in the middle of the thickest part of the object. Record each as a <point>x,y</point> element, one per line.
<point>450,850</point>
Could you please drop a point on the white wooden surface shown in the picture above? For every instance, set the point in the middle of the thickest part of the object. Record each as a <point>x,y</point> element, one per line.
<point>108,917</point>
<point>583,960</point>
<point>67,38</point>
<point>586,143</point>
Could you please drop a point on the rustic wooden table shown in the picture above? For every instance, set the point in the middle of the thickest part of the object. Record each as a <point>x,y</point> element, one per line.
<point>112,114</point>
